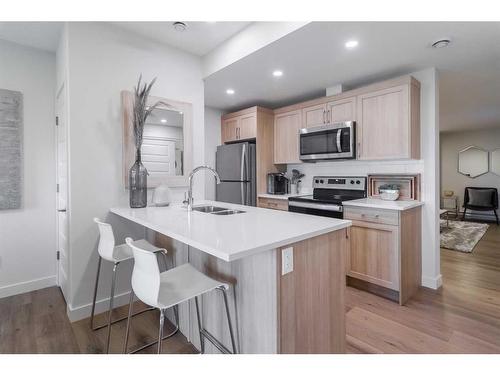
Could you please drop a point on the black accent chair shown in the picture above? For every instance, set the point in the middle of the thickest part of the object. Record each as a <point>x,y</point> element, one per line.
<point>481,199</point>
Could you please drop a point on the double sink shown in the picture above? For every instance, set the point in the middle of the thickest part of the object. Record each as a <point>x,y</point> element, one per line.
<point>217,210</point>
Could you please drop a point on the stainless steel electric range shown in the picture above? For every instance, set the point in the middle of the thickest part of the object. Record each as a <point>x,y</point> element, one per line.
<point>328,194</point>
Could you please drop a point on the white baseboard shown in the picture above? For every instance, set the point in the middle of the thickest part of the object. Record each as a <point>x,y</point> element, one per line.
<point>27,286</point>
<point>432,282</point>
<point>83,311</point>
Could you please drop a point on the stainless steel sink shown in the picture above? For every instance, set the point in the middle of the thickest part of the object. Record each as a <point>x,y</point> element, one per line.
<point>216,210</point>
<point>228,212</point>
<point>209,209</point>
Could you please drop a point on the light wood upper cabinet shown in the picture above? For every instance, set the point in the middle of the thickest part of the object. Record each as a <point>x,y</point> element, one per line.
<point>387,116</point>
<point>314,115</point>
<point>239,127</point>
<point>229,129</point>
<point>388,123</point>
<point>341,110</point>
<point>286,137</point>
<point>247,126</point>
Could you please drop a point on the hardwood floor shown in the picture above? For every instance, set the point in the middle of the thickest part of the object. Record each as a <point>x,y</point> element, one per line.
<point>36,322</point>
<point>462,317</point>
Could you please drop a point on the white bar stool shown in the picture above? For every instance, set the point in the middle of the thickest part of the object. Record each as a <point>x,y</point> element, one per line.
<point>163,290</point>
<point>116,254</point>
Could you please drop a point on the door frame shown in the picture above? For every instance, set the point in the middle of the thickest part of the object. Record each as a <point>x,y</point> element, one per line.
<point>61,94</point>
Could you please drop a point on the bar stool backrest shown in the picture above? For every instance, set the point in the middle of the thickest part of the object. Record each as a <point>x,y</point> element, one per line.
<point>106,240</point>
<point>145,275</point>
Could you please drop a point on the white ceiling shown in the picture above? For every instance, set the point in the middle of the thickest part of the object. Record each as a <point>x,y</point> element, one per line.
<point>199,38</point>
<point>314,57</point>
<point>41,35</point>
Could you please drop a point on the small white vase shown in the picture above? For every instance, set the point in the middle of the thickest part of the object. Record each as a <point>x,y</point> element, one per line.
<point>293,189</point>
<point>162,196</point>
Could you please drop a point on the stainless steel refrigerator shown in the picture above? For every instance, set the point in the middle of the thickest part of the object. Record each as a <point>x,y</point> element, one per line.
<point>235,164</point>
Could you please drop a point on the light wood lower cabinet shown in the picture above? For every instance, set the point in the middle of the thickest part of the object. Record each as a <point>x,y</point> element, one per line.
<point>374,254</point>
<point>275,204</point>
<point>385,251</point>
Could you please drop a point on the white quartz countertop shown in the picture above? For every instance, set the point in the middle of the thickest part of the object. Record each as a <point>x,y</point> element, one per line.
<point>381,204</point>
<point>280,196</point>
<point>231,237</point>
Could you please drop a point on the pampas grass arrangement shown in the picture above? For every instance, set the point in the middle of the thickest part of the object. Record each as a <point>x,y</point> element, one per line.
<point>142,110</point>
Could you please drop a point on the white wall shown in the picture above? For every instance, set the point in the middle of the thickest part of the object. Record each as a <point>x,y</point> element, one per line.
<point>28,235</point>
<point>451,144</point>
<point>103,61</point>
<point>428,168</point>
<point>212,140</point>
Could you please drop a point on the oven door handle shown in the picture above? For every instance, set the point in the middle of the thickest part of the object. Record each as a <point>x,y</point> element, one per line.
<point>339,146</point>
<point>317,206</point>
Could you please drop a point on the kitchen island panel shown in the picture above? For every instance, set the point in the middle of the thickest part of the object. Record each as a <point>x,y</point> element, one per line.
<point>312,297</point>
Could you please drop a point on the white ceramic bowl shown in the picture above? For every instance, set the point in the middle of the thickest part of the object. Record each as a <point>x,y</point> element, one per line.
<point>389,195</point>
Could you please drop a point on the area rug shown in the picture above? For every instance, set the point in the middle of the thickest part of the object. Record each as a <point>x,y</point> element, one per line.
<point>461,235</point>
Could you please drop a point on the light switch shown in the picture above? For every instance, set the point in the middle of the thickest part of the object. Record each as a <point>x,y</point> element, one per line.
<point>286,260</point>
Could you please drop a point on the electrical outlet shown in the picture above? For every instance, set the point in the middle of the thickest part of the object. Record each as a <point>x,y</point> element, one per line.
<point>286,260</point>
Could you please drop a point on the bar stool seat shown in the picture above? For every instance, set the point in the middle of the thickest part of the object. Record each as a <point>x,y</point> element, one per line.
<point>183,283</point>
<point>163,290</point>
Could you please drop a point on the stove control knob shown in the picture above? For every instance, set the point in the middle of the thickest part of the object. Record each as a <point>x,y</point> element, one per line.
<point>358,182</point>
<point>352,181</point>
<point>317,181</point>
<point>321,181</point>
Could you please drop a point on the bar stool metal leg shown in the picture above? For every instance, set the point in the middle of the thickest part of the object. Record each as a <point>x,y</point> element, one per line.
<point>231,333</point>
<point>111,299</point>
<point>160,333</point>
<point>129,323</point>
<point>95,294</point>
<point>200,329</point>
<point>130,307</point>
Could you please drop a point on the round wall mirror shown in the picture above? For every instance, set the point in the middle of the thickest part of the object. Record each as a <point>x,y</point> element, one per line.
<point>473,162</point>
<point>495,161</point>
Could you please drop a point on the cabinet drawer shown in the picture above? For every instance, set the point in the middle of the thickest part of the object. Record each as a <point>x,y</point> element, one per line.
<point>275,204</point>
<point>372,215</point>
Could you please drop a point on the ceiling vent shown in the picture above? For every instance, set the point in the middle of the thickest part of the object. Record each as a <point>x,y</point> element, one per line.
<point>179,26</point>
<point>441,43</point>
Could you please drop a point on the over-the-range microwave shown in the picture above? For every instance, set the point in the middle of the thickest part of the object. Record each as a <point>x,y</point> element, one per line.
<point>325,142</point>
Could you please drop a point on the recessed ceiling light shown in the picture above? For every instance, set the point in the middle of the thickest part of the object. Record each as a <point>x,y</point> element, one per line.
<point>230,91</point>
<point>163,121</point>
<point>441,43</point>
<point>350,44</point>
<point>179,26</point>
<point>277,73</point>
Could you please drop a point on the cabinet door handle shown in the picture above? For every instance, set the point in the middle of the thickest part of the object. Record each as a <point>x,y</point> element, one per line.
<point>329,116</point>
<point>324,113</point>
<point>359,149</point>
<point>376,216</point>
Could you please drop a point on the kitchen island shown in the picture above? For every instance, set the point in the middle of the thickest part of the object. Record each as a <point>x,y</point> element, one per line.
<point>294,306</point>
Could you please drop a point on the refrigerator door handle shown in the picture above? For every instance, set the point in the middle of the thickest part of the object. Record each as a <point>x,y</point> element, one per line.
<point>243,155</point>
<point>243,197</point>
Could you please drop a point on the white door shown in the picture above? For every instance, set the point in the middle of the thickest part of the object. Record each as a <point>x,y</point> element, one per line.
<point>62,192</point>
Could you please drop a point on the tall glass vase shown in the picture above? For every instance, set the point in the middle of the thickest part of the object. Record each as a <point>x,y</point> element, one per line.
<point>138,183</point>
